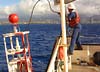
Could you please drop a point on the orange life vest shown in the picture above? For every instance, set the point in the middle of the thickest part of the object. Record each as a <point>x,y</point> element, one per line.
<point>73,22</point>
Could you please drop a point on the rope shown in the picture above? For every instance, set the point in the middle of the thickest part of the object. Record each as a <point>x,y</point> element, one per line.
<point>32,11</point>
<point>34,8</point>
<point>51,7</point>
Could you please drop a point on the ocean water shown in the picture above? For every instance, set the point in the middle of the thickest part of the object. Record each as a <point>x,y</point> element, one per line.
<point>42,38</point>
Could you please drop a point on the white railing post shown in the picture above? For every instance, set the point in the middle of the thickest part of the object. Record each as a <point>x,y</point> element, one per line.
<point>64,40</point>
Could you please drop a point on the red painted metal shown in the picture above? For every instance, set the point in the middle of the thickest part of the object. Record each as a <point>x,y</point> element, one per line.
<point>13,18</point>
<point>61,53</point>
<point>26,59</point>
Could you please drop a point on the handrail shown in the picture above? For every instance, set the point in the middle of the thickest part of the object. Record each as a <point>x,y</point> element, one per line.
<point>51,63</point>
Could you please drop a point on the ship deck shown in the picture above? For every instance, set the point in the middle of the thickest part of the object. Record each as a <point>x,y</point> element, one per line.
<point>92,67</point>
<point>80,68</point>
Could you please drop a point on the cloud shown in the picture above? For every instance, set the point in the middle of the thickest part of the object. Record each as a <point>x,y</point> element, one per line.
<point>88,7</point>
<point>24,8</point>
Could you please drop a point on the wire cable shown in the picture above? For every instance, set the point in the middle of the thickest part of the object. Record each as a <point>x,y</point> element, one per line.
<point>30,19</point>
<point>32,11</point>
<point>51,7</point>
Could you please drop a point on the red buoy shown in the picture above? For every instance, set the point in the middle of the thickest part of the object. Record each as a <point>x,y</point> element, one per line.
<point>13,18</point>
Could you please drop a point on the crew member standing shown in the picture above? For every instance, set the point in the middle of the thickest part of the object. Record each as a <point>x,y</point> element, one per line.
<point>73,20</point>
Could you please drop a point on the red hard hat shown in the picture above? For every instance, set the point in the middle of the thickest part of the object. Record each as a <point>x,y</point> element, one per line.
<point>13,18</point>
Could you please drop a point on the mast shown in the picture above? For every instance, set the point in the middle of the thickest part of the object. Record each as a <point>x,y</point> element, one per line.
<point>64,40</point>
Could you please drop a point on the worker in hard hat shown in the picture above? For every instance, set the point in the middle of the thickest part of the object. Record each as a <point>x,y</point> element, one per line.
<point>73,22</point>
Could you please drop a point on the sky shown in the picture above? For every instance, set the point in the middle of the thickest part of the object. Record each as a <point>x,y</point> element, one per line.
<point>4,3</point>
<point>24,7</point>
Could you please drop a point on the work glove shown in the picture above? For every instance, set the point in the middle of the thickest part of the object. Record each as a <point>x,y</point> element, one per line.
<point>69,31</point>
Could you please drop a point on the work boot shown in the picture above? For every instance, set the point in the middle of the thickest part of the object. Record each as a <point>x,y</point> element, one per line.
<point>79,48</point>
<point>69,52</point>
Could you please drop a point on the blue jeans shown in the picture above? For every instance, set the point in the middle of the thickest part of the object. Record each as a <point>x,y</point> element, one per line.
<point>75,39</point>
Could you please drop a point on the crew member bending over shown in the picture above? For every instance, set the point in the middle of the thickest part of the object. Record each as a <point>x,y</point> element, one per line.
<point>73,20</point>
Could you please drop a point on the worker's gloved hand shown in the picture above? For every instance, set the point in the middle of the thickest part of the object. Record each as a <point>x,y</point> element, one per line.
<point>58,13</point>
<point>69,31</point>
